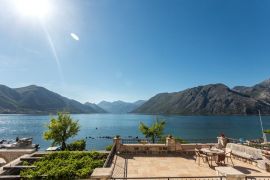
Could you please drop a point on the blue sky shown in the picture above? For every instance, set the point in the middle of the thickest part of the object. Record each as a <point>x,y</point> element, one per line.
<point>134,49</point>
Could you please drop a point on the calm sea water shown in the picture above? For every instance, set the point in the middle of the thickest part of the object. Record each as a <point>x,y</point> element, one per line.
<point>99,125</point>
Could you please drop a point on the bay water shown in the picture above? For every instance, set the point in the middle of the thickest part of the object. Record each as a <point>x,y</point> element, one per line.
<point>98,128</point>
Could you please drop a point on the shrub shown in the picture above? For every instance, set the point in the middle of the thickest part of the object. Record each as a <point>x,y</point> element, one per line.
<point>78,145</point>
<point>65,165</point>
<point>109,147</point>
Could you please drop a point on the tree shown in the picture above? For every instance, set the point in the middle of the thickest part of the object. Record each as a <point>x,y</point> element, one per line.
<point>60,129</point>
<point>154,131</point>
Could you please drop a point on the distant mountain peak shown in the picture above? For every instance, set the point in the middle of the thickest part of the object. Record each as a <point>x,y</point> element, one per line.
<point>265,83</point>
<point>119,106</point>
<point>36,99</point>
<point>95,107</point>
<point>33,86</point>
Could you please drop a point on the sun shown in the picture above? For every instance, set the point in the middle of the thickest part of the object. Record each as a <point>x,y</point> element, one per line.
<point>33,8</point>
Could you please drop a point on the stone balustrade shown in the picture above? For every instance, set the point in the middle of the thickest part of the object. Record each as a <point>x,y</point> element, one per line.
<point>170,146</point>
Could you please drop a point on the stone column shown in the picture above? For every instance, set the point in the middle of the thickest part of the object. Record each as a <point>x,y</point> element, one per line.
<point>117,142</point>
<point>170,143</point>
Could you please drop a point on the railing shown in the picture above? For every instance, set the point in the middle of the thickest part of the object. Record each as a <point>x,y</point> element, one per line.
<point>184,141</point>
<point>207,140</point>
<point>173,178</point>
<point>232,140</point>
<point>257,177</point>
<point>163,141</point>
<point>110,157</point>
<point>210,140</point>
<point>142,141</point>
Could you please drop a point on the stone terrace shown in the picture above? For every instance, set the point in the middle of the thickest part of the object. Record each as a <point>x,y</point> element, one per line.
<point>171,159</point>
<point>172,166</point>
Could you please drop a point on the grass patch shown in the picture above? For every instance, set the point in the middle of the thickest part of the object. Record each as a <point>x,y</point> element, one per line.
<point>65,165</point>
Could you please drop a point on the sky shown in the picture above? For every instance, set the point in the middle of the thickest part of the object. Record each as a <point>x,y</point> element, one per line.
<point>94,50</point>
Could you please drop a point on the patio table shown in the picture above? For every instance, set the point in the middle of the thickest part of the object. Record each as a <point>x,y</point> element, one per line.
<point>213,153</point>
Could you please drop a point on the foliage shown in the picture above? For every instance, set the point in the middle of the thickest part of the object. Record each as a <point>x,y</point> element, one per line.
<point>26,163</point>
<point>267,131</point>
<point>109,147</point>
<point>60,129</point>
<point>65,165</point>
<point>154,131</point>
<point>78,145</point>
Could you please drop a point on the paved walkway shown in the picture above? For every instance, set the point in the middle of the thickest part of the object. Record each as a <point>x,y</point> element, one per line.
<point>171,166</point>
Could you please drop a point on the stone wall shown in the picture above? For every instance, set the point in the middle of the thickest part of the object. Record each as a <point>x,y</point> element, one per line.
<point>171,146</point>
<point>11,154</point>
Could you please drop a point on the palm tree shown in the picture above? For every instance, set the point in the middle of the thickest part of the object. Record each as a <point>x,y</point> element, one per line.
<point>154,131</point>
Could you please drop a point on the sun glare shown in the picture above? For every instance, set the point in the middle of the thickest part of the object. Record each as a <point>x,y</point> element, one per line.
<point>33,8</point>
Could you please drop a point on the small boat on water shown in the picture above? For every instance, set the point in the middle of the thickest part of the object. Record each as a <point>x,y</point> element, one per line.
<point>23,143</point>
<point>54,148</point>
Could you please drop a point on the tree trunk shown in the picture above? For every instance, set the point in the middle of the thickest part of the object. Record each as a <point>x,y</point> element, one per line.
<point>64,145</point>
<point>153,140</point>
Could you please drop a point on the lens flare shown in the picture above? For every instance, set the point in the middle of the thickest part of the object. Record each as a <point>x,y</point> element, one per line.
<point>33,8</point>
<point>56,58</point>
<point>75,36</point>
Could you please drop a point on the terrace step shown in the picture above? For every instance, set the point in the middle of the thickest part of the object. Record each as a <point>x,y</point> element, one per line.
<point>13,177</point>
<point>30,158</point>
<point>17,167</point>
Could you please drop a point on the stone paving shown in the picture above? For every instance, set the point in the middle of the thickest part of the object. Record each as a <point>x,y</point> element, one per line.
<point>172,166</point>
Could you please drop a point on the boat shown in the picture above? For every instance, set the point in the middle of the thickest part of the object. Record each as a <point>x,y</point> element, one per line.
<point>54,148</point>
<point>23,143</point>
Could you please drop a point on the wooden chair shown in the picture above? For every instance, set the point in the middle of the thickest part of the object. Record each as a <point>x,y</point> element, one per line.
<point>199,155</point>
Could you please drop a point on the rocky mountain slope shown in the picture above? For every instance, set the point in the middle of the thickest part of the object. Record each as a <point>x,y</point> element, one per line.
<point>35,99</point>
<point>95,107</point>
<point>212,99</point>
<point>260,91</point>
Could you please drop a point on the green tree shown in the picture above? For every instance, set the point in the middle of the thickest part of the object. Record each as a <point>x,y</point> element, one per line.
<point>154,131</point>
<point>60,129</point>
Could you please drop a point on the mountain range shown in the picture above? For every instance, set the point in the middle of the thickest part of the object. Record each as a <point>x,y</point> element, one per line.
<point>95,107</point>
<point>212,99</point>
<point>38,100</point>
<point>120,107</point>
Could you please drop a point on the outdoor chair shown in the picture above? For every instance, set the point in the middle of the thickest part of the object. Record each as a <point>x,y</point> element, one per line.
<point>228,155</point>
<point>220,159</point>
<point>199,155</point>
